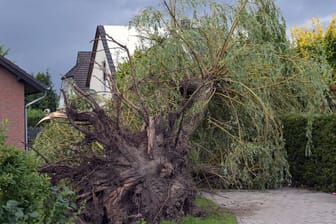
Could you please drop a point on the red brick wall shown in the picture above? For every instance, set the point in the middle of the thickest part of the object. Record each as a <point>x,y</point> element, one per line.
<point>12,106</point>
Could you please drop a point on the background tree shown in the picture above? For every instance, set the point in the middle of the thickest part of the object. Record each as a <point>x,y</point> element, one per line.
<point>314,41</point>
<point>3,51</point>
<point>320,44</point>
<point>330,44</point>
<point>51,99</point>
<point>36,111</point>
<point>215,59</point>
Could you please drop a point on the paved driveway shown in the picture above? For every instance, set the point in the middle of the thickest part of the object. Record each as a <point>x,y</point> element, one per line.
<point>285,206</point>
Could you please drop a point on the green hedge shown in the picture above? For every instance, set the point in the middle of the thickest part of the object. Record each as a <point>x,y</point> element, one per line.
<point>317,169</point>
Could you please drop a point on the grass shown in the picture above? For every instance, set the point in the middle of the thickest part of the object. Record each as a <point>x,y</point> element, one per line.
<point>216,215</point>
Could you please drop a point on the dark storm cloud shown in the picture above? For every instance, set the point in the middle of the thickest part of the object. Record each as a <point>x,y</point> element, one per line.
<point>46,34</point>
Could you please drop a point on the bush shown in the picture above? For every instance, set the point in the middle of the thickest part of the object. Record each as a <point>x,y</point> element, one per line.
<point>34,116</point>
<point>59,140</point>
<point>26,196</point>
<point>310,143</point>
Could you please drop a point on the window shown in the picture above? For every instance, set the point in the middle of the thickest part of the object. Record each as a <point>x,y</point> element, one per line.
<point>104,77</point>
<point>104,71</point>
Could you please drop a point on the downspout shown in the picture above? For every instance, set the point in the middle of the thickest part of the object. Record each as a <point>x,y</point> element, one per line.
<point>26,117</point>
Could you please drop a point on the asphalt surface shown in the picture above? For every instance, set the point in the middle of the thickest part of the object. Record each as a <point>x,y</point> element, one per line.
<point>284,206</point>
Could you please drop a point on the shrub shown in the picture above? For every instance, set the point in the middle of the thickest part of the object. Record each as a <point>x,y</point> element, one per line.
<point>59,140</point>
<point>26,196</point>
<point>34,116</point>
<point>310,143</point>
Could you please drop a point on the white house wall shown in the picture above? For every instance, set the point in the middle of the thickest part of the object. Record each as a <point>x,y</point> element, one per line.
<point>97,82</point>
<point>127,37</point>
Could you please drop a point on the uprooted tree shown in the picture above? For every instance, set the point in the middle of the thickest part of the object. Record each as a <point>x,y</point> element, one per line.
<point>159,98</point>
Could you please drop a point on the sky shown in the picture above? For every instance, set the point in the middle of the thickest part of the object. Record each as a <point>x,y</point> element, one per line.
<point>45,35</point>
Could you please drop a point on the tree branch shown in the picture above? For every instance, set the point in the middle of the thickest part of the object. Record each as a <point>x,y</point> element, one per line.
<point>196,57</point>
<point>144,110</point>
<point>225,45</point>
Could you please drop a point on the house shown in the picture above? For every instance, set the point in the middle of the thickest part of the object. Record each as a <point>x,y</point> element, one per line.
<point>107,55</point>
<point>94,66</point>
<point>15,84</point>
<point>77,74</point>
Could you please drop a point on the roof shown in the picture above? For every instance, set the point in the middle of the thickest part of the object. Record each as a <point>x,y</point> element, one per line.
<point>80,71</point>
<point>114,54</point>
<point>31,85</point>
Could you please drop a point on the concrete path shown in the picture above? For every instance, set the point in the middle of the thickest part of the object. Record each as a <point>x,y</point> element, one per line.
<point>285,206</point>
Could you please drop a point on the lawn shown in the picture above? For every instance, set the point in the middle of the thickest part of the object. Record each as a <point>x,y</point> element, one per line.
<point>215,214</point>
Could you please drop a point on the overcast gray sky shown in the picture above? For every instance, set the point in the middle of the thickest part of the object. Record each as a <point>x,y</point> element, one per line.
<point>47,34</point>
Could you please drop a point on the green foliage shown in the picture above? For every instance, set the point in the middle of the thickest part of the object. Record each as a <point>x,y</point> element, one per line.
<point>315,170</point>
<point>240,143</point>
<point>318,43</point>
<point>215,214</point>
<point>330,44</point>
<point>27,196</point>
<point>51,99</point>
<point>3,130</point>
<point>34,116</point>
<point>60,206</point>
<point>59,140</point>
